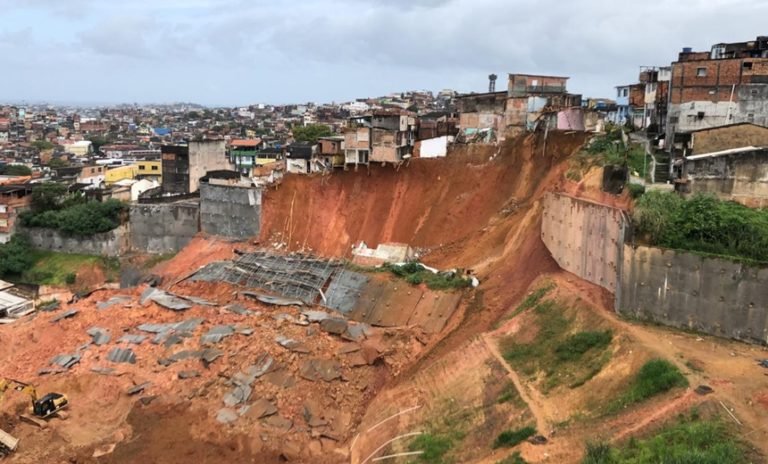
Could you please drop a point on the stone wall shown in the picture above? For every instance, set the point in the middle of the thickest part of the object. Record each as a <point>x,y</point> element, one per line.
<point>684,290</point>
<point>113,243</point>
<point>163,228</point>
<point>230,211</point>
<point>584,238</point>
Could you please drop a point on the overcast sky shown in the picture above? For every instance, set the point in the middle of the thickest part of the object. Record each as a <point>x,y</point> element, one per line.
<point>238,52</point>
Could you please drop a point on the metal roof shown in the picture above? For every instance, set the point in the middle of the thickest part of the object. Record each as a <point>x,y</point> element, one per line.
<point>731,151</point>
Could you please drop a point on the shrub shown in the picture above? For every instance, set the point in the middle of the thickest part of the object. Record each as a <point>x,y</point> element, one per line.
<point>514,458</point>
<point>70,278</point>
<point>79,219</point>
<point>655,377</point>
<point>703,224</point>
<point>690,441</point>
<point>510,438</point>
<point>598,453</point>
<point>16,256</point>
<point>578,344</point>
<point>415,274</point>
<point>636,190</point>
<point>434,447</point>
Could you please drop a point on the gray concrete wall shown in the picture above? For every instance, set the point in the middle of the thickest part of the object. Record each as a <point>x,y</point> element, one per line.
<point>230,211</point>
<point>742,177</point>
<point>684,290</point>
<point>163,228</point>
<point>113,243</point>
<point>584,238</point>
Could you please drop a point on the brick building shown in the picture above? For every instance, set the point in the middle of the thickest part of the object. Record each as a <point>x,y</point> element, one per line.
<point>727,85</point>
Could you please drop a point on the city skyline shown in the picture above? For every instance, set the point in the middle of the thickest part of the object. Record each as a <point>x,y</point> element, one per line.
<point>236,52</point>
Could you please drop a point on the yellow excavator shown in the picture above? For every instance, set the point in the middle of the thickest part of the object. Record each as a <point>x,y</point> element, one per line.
<point>42,408</point>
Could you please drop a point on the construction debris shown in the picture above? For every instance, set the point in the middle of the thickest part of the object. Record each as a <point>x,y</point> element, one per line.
<point>100,336</point>
<point>138,388</point>
<point>273,300</point>
<point>183,375</point>
<point>320,369</point>
<point>226,415</point>
<point>216,334</point>
<point>121,355</point>
<point>65,315</point>
<point>132,339</point>
<point>115,300</point>
<point>66,360</point>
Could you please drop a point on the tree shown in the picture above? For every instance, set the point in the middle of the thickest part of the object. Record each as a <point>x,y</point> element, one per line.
<point>15,170</point>
<point>15,256</point>
<point>56,163</point>
<point>311,132</point>
<point>48,196</point>
<point>42,145</point>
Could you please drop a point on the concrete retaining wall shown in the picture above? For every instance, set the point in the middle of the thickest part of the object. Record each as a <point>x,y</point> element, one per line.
<point>584,238</point>
<point>709,295</point>
<point>112,243</point>
<point>163,228</point>
<point>230,211</point>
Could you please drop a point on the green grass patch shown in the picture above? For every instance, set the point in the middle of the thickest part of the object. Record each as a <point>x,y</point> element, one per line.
<point>510,395</point>
<point>562,356</point>
<point>60,269</point>
<point>416,274</point>
<point>434,447</point>
<point>510,438</point>
<point>530,301</point>
<point>703,225</point>
<point>655,377</point>
<point>576,345</point>
<point>514,458</point>
<point>689,441</point>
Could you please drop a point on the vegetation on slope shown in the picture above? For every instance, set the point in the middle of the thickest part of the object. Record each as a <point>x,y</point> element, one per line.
<point>19,262</point>
<point>702,224</point>
<point>689,441</point>
<point>54,207</point>
<point>564,356</point>
<point>655,377</point>
<point>510,438</point>
<point>15,256</point>
<point>608,148</point>
<point>415,274</point>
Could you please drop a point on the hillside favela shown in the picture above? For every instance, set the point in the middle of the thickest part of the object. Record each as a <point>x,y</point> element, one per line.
<point>361,232</point>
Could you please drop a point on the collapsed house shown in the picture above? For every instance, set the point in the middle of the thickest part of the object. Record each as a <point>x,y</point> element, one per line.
<point>12,304</point>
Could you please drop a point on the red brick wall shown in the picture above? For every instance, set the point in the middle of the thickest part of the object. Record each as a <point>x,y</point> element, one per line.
<point>716,85</point>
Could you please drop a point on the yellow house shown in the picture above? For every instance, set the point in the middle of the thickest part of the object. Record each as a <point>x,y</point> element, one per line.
<point>120,173</point>
<point>150,169</point>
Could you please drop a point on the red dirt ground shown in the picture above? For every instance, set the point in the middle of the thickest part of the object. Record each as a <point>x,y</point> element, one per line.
<point>429,203</point>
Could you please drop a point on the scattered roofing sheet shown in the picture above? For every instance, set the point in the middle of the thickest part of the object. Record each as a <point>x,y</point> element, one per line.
<point>66,314</point>
<point>274,300</point>
<point>100,336</point>
<point>133,339</point>
<point>138,388</point>
<point>66,360</point>
<point>217,333</point>
<point>122,355</point>
<point>115,300</point>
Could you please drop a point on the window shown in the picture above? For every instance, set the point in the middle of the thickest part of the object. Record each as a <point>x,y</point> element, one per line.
<point>711,92</point>
<point>701,72</point>
<point>674,119</point>
<point>141,167</point>
<point>751,117</point>
<point>3,209</point>
<point>534,82</point>
<point>747,66</point>
<point>700,115</point>
<point>625,93</point>
<point>154,168</point>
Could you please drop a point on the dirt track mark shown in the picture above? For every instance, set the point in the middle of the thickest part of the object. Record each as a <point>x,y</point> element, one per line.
<point>535,406</point>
